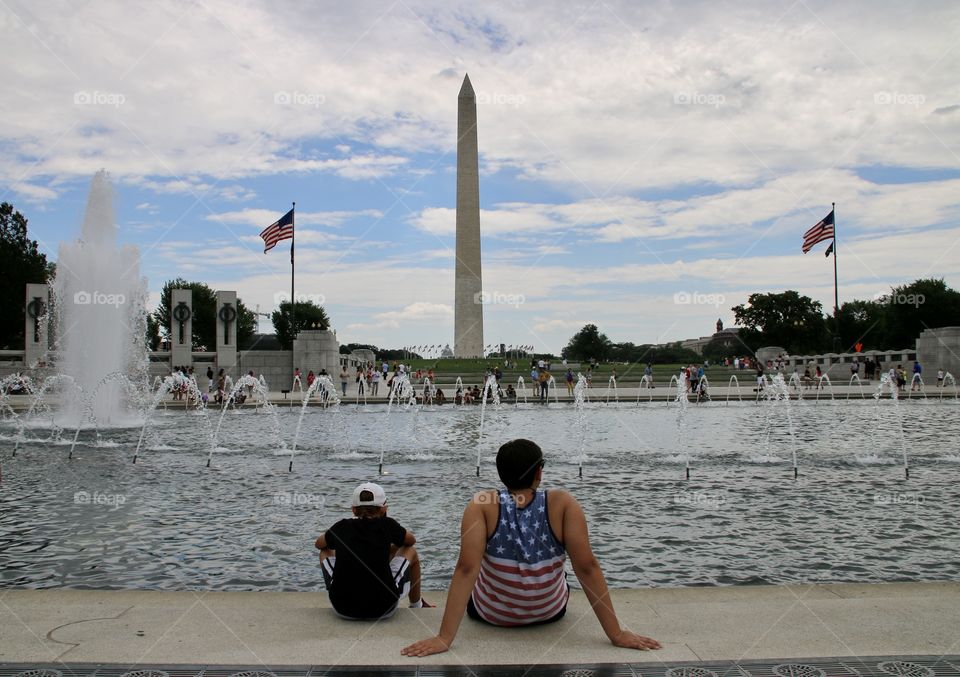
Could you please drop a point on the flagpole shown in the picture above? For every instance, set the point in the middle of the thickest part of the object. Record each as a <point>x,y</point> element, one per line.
<point>836,292</point>
<point>293,299</point>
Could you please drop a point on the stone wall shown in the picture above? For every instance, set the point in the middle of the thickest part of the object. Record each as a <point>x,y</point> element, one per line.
<point>939,349</point>
<point>274,365</point>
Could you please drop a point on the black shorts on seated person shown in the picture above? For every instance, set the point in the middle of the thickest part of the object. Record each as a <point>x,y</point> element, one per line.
<point>475,615</point>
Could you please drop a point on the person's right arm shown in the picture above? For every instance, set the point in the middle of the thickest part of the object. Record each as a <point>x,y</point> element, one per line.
<point>576,540</point>
<point>473,542</point>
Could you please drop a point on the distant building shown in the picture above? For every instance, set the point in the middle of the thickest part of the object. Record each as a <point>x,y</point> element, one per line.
<point>728,338</point>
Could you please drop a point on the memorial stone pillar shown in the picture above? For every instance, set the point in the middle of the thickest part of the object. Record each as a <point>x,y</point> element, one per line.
<point>181,328</point>
<point>227,332</point>
<point>35,324</point>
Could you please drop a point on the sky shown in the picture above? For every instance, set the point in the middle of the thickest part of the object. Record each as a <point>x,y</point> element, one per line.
<point>644,166</point>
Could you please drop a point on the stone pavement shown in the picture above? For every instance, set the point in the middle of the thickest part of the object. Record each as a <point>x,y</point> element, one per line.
<point>293,628</point>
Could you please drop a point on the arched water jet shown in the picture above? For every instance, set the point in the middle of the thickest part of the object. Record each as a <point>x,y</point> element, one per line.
<point>824,377</point>
<point>779,395</point>
<point>39,399</point>
<point>682,400</point>
<point>855,377</point>
<point>948,376</point>
<point>400,390</point>
<point>612,387</point>
<point>890,381</point>
<point>733,382</point>
<point>328,397</point>
<point>259,389</point>
<point>490,385</point>
<point>917,382</point>
<point>552,387</point>
<point>579,390</point>
<point>645,382</point>
<point>192,393</point>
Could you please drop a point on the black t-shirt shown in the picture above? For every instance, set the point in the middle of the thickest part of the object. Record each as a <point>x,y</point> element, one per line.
<point>363,586</point>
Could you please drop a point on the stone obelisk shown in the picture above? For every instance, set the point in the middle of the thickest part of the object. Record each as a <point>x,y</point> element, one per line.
<point>468,303</point>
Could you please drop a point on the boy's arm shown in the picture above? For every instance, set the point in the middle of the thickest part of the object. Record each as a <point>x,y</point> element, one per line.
<point>473,541</point>
<point>326,540</point>
<point>587,568</point>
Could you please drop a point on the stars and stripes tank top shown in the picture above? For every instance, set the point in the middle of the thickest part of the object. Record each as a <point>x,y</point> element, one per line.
<point>521,578</point>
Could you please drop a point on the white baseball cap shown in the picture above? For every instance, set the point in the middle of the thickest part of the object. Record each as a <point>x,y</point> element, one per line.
<point>379,495</point>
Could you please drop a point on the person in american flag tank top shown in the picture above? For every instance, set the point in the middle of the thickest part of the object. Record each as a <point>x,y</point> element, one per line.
<point>513,546</point>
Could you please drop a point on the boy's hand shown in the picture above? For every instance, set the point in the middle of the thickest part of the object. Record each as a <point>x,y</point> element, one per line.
<point>631,640</point>
<point>426,647</point>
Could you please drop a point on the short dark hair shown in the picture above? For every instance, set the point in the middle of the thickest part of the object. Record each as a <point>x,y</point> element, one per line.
<point>518,462</point>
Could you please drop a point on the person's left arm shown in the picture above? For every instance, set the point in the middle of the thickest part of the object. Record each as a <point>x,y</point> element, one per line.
<point>326,540</point>
<point>400,536</point>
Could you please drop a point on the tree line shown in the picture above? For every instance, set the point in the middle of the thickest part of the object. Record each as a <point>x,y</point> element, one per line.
<point>797,323</point>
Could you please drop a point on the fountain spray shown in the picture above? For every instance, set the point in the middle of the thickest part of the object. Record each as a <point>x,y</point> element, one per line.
<point>491,386</point>
<point>579,392</point>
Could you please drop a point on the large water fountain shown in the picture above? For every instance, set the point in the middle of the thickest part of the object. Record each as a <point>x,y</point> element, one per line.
<point>100,327</point>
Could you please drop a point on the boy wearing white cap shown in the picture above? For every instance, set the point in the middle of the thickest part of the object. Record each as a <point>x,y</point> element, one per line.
<point>369,561</point>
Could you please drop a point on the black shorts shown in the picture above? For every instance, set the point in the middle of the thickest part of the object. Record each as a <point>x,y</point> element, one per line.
<point>399,567</point>
<point>475,615</point>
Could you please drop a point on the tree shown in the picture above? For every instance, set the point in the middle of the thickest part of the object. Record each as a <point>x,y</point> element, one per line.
<point>204,319</point>
<point>788,319</point>
<point>153,333</point>
<point>586,344</point>
<point>863,322</point>
<point>719,347</point>
<point>922,304</point>
<point>308,316</point>
<point>671,353</point>
<point>21,263</point>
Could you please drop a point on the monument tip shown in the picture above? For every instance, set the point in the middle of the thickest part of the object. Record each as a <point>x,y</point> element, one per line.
<point>466,90</point>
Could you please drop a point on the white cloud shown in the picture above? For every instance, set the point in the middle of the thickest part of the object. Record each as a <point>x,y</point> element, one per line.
<point>698,130</point>
<point>761,102</point>
<point>264,217</point>
<point>34,193</point>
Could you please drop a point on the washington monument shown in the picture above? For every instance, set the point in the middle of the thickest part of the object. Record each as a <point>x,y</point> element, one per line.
<point>468,306</point>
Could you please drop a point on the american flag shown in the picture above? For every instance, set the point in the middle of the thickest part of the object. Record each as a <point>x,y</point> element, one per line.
<point>281,230</point>
<point>818,233</point>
